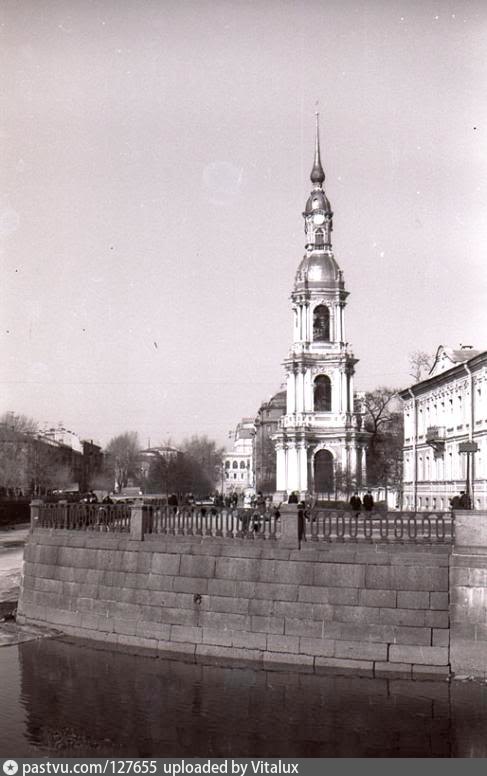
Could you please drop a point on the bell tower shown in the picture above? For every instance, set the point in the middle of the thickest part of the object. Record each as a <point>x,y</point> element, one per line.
<point>320,445</point>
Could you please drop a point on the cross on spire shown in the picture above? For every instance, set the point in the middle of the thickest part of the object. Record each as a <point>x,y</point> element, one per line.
<point>317,173</point>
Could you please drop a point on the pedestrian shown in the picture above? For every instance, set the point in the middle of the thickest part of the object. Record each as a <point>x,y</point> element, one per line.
<point>464,501</point>
<point>368,501</point>
<point>293,498</point>
<point>173,502</point>
<point>356,503</point>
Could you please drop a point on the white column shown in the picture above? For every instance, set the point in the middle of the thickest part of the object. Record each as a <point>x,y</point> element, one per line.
<point>291,393</point>
<point>307,333</point>
<point>280,467</point>
<point>303,466</point>
<point>292,468</point>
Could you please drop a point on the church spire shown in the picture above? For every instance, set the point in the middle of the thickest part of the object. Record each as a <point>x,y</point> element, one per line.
<point>317,173</point>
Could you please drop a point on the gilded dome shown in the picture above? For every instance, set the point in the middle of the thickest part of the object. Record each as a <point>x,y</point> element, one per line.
<point>319,268</point>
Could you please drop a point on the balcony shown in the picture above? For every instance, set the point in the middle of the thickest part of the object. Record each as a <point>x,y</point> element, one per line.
<point>435,438</point>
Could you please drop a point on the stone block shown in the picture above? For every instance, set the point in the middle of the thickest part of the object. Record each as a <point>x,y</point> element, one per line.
<point>292,573</point>
<point>191,585</point>
<point>413,617</point>
<point>137,643</point>
<point>96,622</point>
<point>345,631</point>
<point>283,643</point>
<point>439,601</point>
<point>167,564</point>
<point>187,633</point>
<point>144,562</point>
<point>468,657</point>
<point>391,670</point>
<point>430,672</point>
<point>285,661</point>
<point>158,582</point>
<point>222,587</point>
<point>227,604</point>
<point>400,653</point>
<point>176,650</point>
<point>294,609</point>
<point>377,598</point>
<point>441,637</point>
<point>307,628</point>
<point>197,566</point>
<point>437,619</point>
<point>267,591</point>
<point>411,636</point>
<point>153,630</point>
<point>216,655</point>
<point>151,613</point>
<point>243,569</point>
<point>178,616</point>
<point>125,627</point>
<point>379,577</point>
<point>321,647</point>
<point>218,636</point>
<point>260,606</point>
<point>346,596</point>
<point>360,650</point>
<point>413,599</point>
<point>248,640</point>
<point>420,578</point>
<point>330,665</point>
<point>129,561</point>
<point>357,614</point>
<point>225,620</point>
<point>261,624</point>
<point>338,575</point>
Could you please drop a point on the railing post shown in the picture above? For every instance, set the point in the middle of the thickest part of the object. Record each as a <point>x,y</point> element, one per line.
<point>35,509</point>
<point>137,522</point>
<point>289,526</point>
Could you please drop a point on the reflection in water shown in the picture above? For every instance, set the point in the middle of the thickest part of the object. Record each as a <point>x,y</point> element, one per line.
<point>77,700</point>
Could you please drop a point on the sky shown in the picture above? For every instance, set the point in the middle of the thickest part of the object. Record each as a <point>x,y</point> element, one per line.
<point>155,160</point>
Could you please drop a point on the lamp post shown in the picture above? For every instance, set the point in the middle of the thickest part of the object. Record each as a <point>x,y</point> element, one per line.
<point>468,448</point>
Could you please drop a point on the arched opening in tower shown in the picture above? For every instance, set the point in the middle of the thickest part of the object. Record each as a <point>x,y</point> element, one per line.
<point>322,394</point>
<point>321,324</point>
<point>324,482</point>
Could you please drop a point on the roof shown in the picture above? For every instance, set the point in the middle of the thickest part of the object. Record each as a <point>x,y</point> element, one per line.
<point>318,269</point>
<point>446,360</point>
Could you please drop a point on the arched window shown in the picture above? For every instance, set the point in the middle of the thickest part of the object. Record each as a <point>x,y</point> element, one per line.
<point>322,394</point>
<point>227,464</point>
<point>321,324</point>
<point>242,464</point>
<point>235,465</point>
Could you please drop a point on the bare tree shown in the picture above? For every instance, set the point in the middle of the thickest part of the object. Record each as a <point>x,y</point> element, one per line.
<point>17,433</point>
<point>420,363</point>
<point>122,454</point>
<point>384,421</point>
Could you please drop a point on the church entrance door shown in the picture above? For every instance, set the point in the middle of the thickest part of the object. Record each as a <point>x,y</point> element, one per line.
<point>324,484</point>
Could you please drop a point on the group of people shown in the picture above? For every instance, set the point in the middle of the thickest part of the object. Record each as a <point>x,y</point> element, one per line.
<point>463,501</point>
<point>367,502</point>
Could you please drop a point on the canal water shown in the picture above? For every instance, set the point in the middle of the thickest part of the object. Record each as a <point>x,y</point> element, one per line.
<point>72,699</point>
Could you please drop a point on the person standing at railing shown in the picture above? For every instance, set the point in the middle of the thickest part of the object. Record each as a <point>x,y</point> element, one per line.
<point>368,501</point>
<point>356,503</point>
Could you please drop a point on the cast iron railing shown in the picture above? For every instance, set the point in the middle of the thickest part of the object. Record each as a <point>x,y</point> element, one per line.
<point>85,517</point>
<point>328,525</point>
<point>211,521</point>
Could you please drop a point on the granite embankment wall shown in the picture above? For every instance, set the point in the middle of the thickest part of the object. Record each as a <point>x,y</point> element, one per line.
<point>373,609</point>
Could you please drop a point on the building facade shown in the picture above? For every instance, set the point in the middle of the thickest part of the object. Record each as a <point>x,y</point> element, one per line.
<point>445,419</point>
<point>238,465</point>
<point>320,445</point>
<point>266,425</point>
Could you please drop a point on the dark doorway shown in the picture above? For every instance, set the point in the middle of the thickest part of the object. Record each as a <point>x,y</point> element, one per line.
<point>323,473</point>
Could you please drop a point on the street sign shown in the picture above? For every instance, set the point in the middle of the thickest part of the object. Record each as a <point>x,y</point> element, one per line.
<point>468,447</point>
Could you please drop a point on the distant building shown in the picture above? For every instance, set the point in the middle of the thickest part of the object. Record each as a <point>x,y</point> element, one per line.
<point>266,424</point>
<point>238,467</point>
<point>441,414</point>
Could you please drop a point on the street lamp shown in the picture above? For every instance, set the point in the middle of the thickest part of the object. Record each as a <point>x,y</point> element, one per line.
<point>468,448</point>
